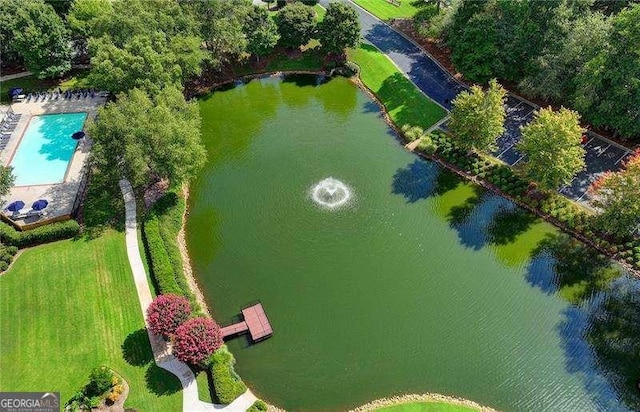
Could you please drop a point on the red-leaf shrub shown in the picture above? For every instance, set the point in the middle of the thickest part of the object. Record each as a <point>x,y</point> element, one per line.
<point>166,313</point>
<point>196,339</point>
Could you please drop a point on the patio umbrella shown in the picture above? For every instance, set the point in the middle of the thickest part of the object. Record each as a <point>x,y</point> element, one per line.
<point>78,135</point>
<point>14,91</point>
<point>39,204</point>
<point>15,206</point>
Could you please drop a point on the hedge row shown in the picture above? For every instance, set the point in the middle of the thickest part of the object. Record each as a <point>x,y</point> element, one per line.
<point>552,204</point>
<point>6,256</point>
<point>160,232</point>
<point>43,234</point>
<point>159,261</point>
<point>226,382</point>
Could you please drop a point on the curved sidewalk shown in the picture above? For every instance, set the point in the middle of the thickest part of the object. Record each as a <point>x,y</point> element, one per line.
<point>437,83</point>
<point>161,351</point>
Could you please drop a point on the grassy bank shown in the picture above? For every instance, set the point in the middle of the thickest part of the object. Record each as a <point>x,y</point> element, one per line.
<point>426,407</point>
<point>385,10</point>
<point>404,102</point>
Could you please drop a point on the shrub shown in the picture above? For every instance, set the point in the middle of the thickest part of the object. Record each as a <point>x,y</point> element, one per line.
<point>6,256</point>
<point>166,313</point>
<point>349,69</point>
<point>39,235</point>
<point>227,384</point>
<point>427,145</point>
<point>159,259</point>
<point>12,250</point>
<point>196,339</point>
<point>99,381</point>
<point>4,266</point>
<point>160,230</point>
<point>258,406</point>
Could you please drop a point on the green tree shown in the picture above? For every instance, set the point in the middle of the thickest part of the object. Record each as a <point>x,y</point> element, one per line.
<point>61,7</point>
<point>148,138</point>
<point>84,14</point>
<point>552,143</point>
<point>611,6</point>
<point>617,195</point>
<point>144,44</point>
<point>556,70</point>
<point>608,87</point>
<point>7,180</point>
<point>501,38</point>
<point>262,32</point>
<point>475,50</point>
<point>296,24</point>
<point>146,62</point>
<point>41,39</point>
<point>222,28</point>
<point>339,29</point>
<point>477,117</point>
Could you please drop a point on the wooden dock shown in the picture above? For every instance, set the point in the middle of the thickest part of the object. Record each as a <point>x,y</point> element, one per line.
<point>255,321</point>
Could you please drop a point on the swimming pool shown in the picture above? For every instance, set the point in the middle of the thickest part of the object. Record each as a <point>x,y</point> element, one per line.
<point>46,149</point>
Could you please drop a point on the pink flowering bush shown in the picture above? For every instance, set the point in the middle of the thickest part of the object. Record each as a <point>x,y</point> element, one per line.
<point>166,313</point>
<point>196,339</point>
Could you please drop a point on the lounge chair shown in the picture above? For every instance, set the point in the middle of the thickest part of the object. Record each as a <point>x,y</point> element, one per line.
<point>34,213</point>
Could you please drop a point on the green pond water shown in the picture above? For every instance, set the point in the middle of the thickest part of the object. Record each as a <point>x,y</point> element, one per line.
<point>418,283</point>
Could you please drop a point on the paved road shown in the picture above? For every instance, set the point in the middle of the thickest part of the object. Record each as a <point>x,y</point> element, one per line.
<point>437,83</point>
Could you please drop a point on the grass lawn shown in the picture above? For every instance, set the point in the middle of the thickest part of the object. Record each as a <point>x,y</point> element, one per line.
<point>27,83</point>
<point>402,99</point>
<point>320,12</point>
<point>385,10</point>
<point>70,306</point>
<point>32,83</point>
<point>426,407</point>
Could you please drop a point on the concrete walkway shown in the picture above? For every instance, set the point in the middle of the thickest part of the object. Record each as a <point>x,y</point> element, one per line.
<point>14,76</point>
<point>161,350</point>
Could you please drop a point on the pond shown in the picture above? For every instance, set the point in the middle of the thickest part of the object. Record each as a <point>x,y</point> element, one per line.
<point>383,274</point>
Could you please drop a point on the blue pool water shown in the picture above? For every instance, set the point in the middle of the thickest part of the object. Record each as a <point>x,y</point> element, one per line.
<point>46,149</point>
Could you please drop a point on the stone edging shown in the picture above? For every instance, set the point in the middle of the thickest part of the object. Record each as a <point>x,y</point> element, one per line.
<point>426,397</point>
<point>186,259</point>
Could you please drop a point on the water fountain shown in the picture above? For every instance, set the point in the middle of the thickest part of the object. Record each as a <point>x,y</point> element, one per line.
<point>330,193</point>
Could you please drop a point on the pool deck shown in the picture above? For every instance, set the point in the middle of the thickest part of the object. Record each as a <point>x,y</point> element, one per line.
<point>61,196</point>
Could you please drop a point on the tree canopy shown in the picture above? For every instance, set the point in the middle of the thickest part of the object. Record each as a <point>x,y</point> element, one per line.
<point>37,35</point>
<point>477,117</point>
<point>222,27</point>
<point>149,138</point>
<point>145,61</point>
<point>143,44</point>
<point>340,28</point>
<point>262,32</point>
<point>296,24</point>
<point>608,91</point>
<point>84,15</point>
<point>564,50</point>
<point>552,143</point>
<point>617,195</point>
